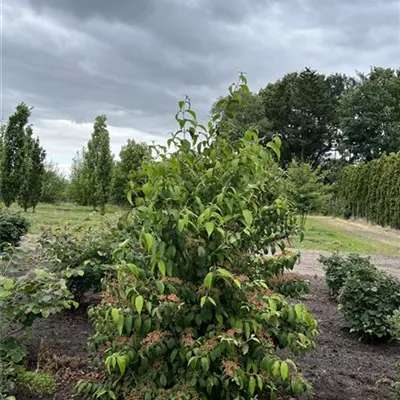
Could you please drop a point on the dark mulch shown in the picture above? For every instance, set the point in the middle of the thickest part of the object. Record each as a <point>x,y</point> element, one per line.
<point>342,368</point>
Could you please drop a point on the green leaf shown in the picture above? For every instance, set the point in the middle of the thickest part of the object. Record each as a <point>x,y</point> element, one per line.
<point>205,364</point>
<point>160,286</point>
<point>252,386</point>
<point>181,225</point>
<point>161,267</point>
<point>139,304</point>
<point>122,361</point>
<point>163,380</point>
<point>212,301</point>
<point>248,217</point>
<point>260,382</point>
<point>284,370</point>
<point>115,315</point>
<point>247,329</point>
<point>120,324</point>
<point>225,273</point>
<point>128,324</point>
<point>299,311</point>
<point>203,301</point>
<point>45,313</point>
<point>208,280</point>
<point>149,241</point>
<point>275,148</point>
<point>210,228</point>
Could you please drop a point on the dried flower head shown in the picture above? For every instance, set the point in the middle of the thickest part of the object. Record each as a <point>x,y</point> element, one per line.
<point>230,366</point>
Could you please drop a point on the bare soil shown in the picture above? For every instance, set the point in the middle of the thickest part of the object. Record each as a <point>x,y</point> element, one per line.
<point>343,368</point>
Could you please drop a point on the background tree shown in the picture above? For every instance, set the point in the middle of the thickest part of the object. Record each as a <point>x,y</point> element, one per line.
<point>306,189</point>
<point>77,190</point>
<point>54,184</point>
<point>370,116</point>
<point>32,169</point>
<point>302,108</point>
<point>12,160</point>
<point>249,113</point>
<point>99,164</point>
<point>131,158</point>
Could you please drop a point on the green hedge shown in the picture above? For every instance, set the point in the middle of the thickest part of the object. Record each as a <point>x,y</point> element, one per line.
<point>372,190</point>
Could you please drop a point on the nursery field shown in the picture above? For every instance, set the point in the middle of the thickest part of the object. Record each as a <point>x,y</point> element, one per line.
<point>48,215</point>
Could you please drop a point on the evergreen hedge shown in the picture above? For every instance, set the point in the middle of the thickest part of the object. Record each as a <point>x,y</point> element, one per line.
<point>372,190</point>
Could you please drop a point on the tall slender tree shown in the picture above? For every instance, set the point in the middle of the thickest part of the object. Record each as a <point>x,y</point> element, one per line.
<point>32,172</point>
<point>12,159</point>
<point>99,164</point>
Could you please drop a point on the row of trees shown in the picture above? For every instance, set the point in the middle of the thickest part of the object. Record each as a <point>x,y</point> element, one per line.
<point>320,117</point>
<point>372,190</point>
<point>21,161</point>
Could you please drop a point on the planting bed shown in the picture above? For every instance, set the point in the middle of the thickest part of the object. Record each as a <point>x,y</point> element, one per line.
<point>341,368</point>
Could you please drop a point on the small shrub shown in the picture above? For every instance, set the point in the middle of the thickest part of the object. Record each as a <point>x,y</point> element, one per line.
<point>369,300</point>
<point>338,268</point>
<point>12,227</point>
<point>82,255</point>
<point>39,383</point>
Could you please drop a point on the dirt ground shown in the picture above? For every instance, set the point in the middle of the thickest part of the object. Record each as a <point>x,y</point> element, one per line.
<point>343,368</point>
<point>309,264</point>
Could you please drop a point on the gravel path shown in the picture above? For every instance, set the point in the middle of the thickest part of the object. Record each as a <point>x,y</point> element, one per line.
<point>309,264</point>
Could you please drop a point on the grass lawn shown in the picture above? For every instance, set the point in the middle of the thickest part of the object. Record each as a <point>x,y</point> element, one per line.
<point>330,234</point>
<point>47,215</point>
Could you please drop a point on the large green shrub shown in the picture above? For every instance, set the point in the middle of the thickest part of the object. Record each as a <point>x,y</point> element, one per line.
<point>337,268</point>
<point>186,316</point>
<point>12,227</point>
<point>369,300</point>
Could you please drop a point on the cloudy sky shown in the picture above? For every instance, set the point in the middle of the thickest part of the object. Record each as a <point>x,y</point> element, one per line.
<point>134,59</point>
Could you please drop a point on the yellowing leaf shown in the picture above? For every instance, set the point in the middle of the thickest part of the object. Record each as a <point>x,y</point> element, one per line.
<point>208,280</point>
<point>284,370</point>
<point>139,304</point>
<point>161,267</point>
<point>203,301</point>
<point>122,361</point>
<point>210,228</point>
<point>149,241</point>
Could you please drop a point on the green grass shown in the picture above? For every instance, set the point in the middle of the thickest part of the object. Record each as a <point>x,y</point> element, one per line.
<point>48,215</point>
<point>324,234</point>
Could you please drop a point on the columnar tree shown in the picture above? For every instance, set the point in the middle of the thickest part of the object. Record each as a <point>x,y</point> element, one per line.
<point>12,159</point>
<point>99,164</point>
<point>32,169</point>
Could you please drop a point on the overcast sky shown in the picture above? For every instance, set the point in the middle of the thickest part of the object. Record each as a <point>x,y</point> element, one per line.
<point>134,59</point>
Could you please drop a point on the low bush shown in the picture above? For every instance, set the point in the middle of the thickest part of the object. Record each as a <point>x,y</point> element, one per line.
<point>337,268</point>
<point>12,227</point>
<point>370,302</point>
<point>81,255</point>
<point>37,382</point>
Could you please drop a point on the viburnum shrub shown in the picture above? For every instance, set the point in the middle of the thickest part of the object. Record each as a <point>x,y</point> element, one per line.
<point>82,255</point>
<point>337,268</point>
<point>370,303</point>
<point>187,316</point>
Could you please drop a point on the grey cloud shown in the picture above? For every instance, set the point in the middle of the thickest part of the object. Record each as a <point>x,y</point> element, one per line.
<point>134,59</point>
